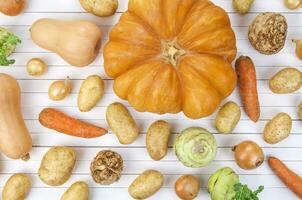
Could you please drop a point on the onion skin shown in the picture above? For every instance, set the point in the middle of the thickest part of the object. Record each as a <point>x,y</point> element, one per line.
<point>58,90</point>
<point>248,155</point>
<point>36,67</point>
<point>12,7</point>
<point>292,4</point>
<point>187,187</point>
<point>298,48</point>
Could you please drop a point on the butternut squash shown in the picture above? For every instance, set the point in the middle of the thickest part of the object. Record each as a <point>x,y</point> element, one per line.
<point>16,141</point>
<point>77,42</point>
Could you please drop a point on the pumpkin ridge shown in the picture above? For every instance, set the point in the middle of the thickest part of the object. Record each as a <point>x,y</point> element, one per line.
<point>140,45</point>
<point>146,25</point>
<point>134,85</point>
<point>191,10</point>
<point>188,13</point>
<point>206,78</point>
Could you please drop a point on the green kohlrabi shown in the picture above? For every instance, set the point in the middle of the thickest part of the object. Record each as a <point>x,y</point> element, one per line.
<point>8,43</point>
<point>195,147</point>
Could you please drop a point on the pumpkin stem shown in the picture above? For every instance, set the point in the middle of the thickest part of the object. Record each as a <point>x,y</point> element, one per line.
<point>171,51</point>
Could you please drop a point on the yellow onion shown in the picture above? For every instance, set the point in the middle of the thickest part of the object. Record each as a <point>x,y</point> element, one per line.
<point>292,4</point>
<point>36,67</point>
<point>58,90</point>
<point>298,48</point>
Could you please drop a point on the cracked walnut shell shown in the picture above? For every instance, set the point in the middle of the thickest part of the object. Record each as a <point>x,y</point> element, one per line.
<point>268,32</point>
<point>106,168</point>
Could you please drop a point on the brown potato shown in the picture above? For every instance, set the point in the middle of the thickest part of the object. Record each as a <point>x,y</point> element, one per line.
<point>101,8</point>
<point>57,165</point>
<point>122,123</point>
<point>286,81</point>
<point>242,6</point>
<point>300,111</point>
<point>227,117</point>
<point>157,139</point>
<point>91,91</point>
<point>16,188</point>
<point>79,191</point>
<point>278,128</point>
<point>146,184</point>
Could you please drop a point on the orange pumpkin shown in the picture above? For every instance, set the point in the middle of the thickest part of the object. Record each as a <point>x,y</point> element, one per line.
<point>168,56</point>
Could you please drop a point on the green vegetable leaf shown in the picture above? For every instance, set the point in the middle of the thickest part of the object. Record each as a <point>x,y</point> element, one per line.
<point>244,193</point>
<point>8,43</point>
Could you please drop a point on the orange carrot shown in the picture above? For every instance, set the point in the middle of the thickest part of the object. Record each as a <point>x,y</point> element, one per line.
<point>56,120</point>
<point>246,72</point>
<point>289,178</point>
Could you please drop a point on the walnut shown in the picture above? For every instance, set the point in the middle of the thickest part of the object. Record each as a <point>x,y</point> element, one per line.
<point>106,168</point>
<point>268,32</point>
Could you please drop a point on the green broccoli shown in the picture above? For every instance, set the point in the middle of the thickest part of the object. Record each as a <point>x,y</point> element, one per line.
<point>8,43</point>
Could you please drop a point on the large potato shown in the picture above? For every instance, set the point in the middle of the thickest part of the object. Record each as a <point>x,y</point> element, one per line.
<point>91,91</point>
<point>286,81</point>
<point>122,123</point>
<point>77,191</point>
<point>57,165</point>
<point>227,117</point>
<point>278,128</point>
<point>157,139</point>
<point>146,184</point>
<point>16,188</point>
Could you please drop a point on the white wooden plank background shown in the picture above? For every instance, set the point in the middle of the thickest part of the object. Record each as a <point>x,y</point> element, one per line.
<point>34,99</point>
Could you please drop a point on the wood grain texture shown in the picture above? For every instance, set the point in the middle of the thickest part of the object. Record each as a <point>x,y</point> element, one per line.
<point>34,99</point>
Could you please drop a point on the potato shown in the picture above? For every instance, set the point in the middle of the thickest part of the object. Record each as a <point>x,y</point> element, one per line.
<point>157,139</point>
<point>227,117</point>
<point>286,81</point>
<point>79,191</point>
<point>242,6</point>
<point>101,8</point>
<point>16,188</point>
<point>122,123</point>
<point>278,128</point>
<point>300,111</point>
<point>91,91</point>
<point>146,184</point>
<point>57,165</point>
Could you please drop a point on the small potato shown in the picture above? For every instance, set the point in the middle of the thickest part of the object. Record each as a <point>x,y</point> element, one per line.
<point>227,117</point>
<point>91,91</point>
<point>146,184</point>
<point>57,165</point>
<point>242,6</point>
<point>157,139</point>
<point>16,188</point>
<point>286,81</point>
<point>278,128</point>
<point>101,8</point>
<point>77,191</point>
<point>300,111</point>
<point>122,123</point>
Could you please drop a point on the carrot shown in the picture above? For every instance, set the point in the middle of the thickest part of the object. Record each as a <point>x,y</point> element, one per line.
<point>289,178</point>
<point>56,120</point>
<point>246,73</point>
